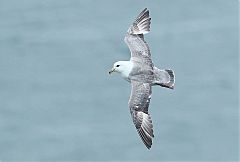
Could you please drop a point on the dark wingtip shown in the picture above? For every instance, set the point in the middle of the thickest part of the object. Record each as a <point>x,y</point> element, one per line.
<point>141,24</point>
<point>144,10</point>
<point>149,147</point>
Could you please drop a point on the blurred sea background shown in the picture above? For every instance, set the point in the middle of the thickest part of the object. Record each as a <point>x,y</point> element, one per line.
<point>58,103</point>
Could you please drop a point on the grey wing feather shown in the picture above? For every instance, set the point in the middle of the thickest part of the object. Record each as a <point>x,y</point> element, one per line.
<point>138,104</point>
<point>141,25</point>
<point>135,39</point>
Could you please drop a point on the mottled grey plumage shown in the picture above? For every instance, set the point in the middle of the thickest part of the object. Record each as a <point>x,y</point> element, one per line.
<point>142,76</point>
<point>138,104</point>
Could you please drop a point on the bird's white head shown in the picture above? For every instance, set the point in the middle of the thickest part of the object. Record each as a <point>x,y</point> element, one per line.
<point>123,67</point>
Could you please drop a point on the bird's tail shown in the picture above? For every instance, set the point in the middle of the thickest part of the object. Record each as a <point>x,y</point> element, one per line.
<point>142,23</point>
<point>164,78</point>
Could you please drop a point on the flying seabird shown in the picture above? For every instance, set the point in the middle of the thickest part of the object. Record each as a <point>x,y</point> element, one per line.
<point>142,74</point>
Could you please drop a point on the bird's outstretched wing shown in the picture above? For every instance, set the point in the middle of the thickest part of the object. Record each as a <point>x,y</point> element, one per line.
<point>138,104</point>
<point>135,39</point>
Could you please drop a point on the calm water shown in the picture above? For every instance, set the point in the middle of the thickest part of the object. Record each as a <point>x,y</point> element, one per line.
<point>57,101</point>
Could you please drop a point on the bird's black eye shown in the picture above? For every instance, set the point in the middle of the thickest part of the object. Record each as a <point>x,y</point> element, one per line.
<point>117,65</point>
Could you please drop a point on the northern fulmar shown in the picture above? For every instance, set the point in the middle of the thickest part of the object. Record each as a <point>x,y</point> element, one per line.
<point>142,74</point>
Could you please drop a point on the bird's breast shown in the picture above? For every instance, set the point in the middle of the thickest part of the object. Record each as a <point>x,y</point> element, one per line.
<point>127,70</point>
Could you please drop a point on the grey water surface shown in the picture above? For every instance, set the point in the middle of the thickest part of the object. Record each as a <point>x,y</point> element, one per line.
<point>58,103</point>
